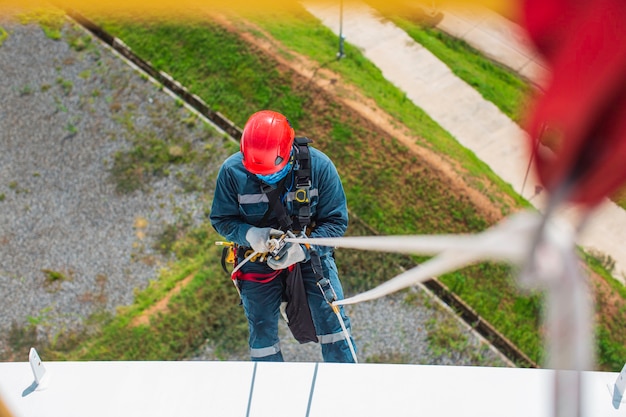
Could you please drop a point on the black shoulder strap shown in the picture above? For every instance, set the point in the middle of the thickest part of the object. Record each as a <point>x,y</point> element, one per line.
<point>303,158</point>
<point>301,200</point>
<point>273,195</point>
<point>303,182</point>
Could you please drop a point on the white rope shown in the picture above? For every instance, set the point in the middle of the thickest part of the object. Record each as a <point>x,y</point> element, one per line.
<point>545,251</point>
<point>242,263</point>
<point>436,266</point>
<point>507,241</point>
<point>345,334</point>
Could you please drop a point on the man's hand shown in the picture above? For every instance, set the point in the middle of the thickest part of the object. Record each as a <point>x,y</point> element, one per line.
<point>291,254</point>
<point>258,238</point>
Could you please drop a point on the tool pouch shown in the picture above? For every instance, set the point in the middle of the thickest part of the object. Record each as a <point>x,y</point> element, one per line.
<point>297,310</point>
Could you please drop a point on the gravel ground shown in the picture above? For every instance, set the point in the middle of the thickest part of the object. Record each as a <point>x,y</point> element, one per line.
<point>395,330</point>
<point>62,120</point>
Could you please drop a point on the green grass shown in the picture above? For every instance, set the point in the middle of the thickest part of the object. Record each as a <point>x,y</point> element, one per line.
<point>233,84</point>
<point>3,35</point>
<point>159,149</point>
<point>303,34</point>
<point>619,197</point>
<point>610,335</point>
<point>496,83</point>
<point>236,80</point>
<point>51,21</point>
<point>206,308</point>
<point>488,288</point>
<point>392,216</point>
<point>186,61</point>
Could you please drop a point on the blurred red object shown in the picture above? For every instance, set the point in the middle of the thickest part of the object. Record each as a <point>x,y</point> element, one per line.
<point>581,116</point>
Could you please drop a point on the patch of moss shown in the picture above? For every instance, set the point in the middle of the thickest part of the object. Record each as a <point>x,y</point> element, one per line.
<point>50,20</point>
<point>3,35</point>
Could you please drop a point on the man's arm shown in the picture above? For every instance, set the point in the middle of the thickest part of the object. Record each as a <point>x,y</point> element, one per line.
<point>225,216</point>
<point>331,217</point>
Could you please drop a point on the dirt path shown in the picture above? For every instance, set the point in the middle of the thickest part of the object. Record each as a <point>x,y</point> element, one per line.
<point>161,305</point>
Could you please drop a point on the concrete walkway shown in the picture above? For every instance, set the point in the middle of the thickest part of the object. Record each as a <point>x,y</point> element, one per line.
<point>475,122</point>
<point>497,38</point>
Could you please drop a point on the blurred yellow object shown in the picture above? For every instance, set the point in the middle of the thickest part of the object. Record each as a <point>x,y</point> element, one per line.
<point>182,7</point>
<point>4,411</point>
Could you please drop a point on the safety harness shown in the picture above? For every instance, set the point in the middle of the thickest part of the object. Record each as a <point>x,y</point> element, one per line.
<point>302,186</point>
<point>301,199</point>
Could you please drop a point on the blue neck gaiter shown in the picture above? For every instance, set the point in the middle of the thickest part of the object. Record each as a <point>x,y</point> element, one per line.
<point>273,179</point>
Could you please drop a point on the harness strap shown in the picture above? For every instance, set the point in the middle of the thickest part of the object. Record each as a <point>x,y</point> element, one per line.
<point>284,221</point>
<point>301,202</point>
<point>273,195</point>
<point>224,257</point>
<point>258,277</point>
<point>303,182</point>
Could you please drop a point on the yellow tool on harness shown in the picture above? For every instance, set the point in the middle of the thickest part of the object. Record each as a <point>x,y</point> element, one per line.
<point>228,253</point>
<point>229,256</point>
<point>302,195</point>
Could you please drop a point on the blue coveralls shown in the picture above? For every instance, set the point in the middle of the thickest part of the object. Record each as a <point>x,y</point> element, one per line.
<point>239,204</point>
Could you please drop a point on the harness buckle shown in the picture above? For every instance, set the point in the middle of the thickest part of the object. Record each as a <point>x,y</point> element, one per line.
<point>302,195</point>
<point>303,182</point>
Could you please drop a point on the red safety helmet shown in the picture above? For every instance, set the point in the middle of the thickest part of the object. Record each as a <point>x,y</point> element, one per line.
<point>266,142</point>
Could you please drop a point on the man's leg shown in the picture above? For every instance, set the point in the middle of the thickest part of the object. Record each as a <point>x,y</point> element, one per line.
<point>261,303</point>
<point>335,348</point>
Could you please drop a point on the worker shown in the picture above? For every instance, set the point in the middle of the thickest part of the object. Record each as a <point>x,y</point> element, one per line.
<point>274,172</point>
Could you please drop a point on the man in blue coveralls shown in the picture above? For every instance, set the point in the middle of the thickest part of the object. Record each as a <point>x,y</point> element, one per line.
<point>268,172</point>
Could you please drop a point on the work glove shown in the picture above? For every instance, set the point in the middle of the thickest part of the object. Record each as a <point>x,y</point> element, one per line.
<point>258,238</point>
<point>289,255</point>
